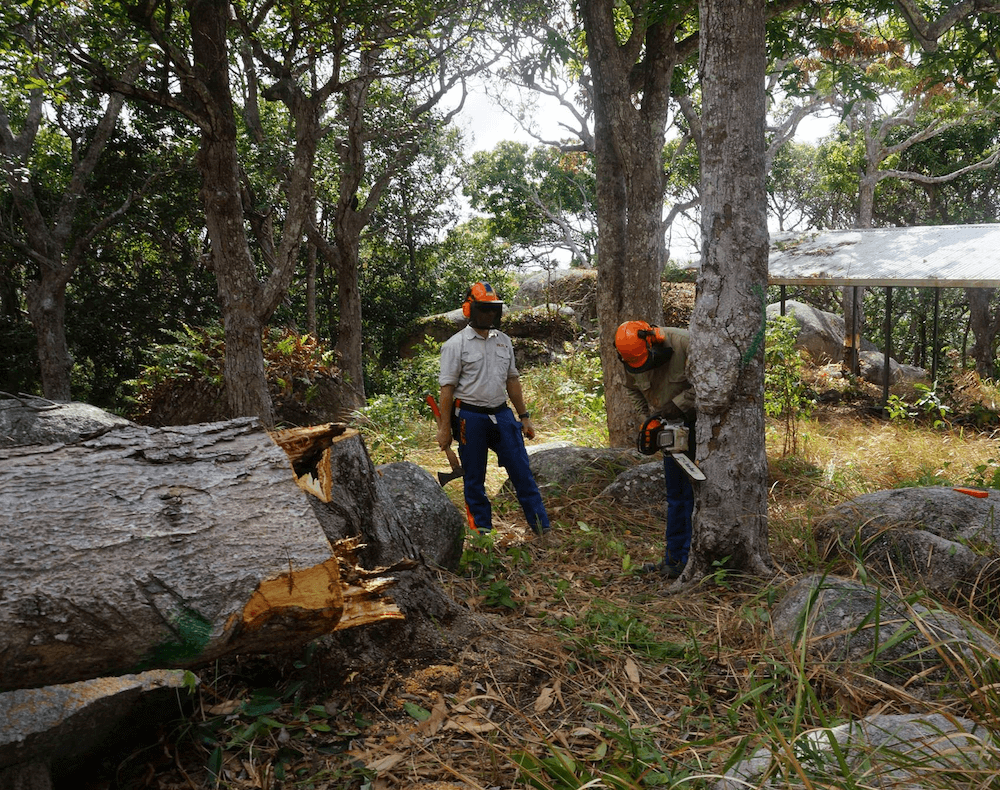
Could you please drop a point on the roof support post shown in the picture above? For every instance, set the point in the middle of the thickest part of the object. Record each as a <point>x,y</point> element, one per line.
<point>934,343</point>
<point>887,328</point>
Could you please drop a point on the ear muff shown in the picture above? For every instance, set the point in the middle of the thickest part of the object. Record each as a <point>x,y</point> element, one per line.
<point>641,347</point>
<point>467,304</point>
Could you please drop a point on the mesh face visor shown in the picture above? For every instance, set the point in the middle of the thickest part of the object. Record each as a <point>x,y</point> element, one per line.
<point>658,355</point>
<point>485,315</point>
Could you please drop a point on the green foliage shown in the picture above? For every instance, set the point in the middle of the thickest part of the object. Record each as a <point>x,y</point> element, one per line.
<point>785,394</point>
<point>491,567</point>
<point>242,728</point>
<point>521,190</point>
<point>986,475</point>
<point>627,756</point>
<point>572,391</point>
<point>927,404</point>
<point>390,419</point>
<point>605,630</point>
<point>194,353</point>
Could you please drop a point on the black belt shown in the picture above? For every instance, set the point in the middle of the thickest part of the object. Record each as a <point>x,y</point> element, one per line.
<point>482,409</point>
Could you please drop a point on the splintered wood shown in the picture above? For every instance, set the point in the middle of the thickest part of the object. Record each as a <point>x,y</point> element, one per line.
<point>309,451</point>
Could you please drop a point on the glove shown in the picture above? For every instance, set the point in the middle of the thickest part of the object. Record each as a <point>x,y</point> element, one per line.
<point>647,440</point>
<point>671,411</point>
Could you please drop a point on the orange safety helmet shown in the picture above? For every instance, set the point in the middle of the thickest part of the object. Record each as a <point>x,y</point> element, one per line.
<point>482,306</point>
<point>634,342</point>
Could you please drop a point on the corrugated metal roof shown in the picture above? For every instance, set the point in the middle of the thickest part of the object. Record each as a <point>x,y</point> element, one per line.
<point>938,256</point>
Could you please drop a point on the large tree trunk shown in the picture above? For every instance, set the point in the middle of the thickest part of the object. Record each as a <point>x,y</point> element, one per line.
<point>630,115</point>
<point>985,328</point>
<point>727,328</point>
<point>239,289</point>
<point>170,547</point>
<point>46,300</point>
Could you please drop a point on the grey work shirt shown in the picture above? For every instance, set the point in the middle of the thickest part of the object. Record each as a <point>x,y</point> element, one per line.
<point>478,367</point>
<point>652,390</point>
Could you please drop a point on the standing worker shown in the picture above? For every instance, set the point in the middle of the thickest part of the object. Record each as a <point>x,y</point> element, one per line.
<point>656,379</point>
<point>477,376</point>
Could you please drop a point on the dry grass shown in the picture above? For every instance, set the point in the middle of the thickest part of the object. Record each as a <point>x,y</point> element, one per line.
<point>590,677</point>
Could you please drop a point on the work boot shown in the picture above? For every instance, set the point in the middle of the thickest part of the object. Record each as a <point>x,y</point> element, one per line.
<point>667,570</point>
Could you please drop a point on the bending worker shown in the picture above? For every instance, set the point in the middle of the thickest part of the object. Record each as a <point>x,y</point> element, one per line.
<point>655,376</point>
<point>477,376</point>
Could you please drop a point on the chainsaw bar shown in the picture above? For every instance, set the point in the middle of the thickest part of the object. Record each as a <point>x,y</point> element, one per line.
<point>688,466</point>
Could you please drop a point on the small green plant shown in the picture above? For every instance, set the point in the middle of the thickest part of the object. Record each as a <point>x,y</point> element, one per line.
<point>785,394</point>
<point>482,560</point>
<point>928,404</point>
<point>986,475</point>
<point>607,628</point>
<point>627,757</point>
<point>388,423</point>
<point>898,409</point>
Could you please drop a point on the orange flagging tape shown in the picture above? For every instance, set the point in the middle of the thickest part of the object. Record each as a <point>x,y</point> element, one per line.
<point>972,492</point>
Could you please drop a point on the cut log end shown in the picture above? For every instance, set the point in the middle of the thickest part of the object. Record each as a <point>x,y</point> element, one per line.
<point>308,450</point>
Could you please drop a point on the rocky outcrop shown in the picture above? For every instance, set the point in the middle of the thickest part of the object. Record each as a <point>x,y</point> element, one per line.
<point>28,420</point>
<point>865,632</point>
<point>821,337</point>
<point>911,751</point>
<point>944,539</point>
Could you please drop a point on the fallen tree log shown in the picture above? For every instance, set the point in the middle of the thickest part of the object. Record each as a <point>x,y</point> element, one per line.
<point>170,547</point>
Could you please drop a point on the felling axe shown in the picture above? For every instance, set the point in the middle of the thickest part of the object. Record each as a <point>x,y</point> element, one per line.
<point>456,466</point>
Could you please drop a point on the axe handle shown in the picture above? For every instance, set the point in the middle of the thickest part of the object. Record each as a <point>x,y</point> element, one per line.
<point>452,458</point>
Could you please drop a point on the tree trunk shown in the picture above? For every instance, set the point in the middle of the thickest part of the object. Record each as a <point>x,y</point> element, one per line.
<point>349,339</point>
<point>629,131</point>
<point>727,328</point>
<point>170,547</point>
<point>985,328</point>
<point>46,301</point>
<point>854,326</point>
<point>239,289</point>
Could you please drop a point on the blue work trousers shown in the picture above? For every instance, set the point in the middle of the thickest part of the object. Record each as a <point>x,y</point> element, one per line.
<point>680,506</point>
<point>477,434</point>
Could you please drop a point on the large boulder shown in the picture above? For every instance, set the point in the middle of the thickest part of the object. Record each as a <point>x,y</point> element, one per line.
<point>942,538</point>
<point>53,732</point>
<point>872,368</point>
<point>539,334</point>
<point>641,487</point>
<point>577,289</point>
<point>821,334</point>
<point>863,632</point>
<point>559,468</point>
<point>436,526</point>
<point>911,751</point>
<point>572,288</point>
<point>29,421</point>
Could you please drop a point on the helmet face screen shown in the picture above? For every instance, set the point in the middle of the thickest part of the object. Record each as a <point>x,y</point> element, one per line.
<point>483,315</point>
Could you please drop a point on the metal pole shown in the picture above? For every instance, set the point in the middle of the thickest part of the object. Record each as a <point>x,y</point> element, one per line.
<point>934,342</point>
<point>782,289</point>
<point>887,328</point>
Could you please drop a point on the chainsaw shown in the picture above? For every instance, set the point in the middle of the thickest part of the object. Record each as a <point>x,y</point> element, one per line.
<point>656,434</point>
